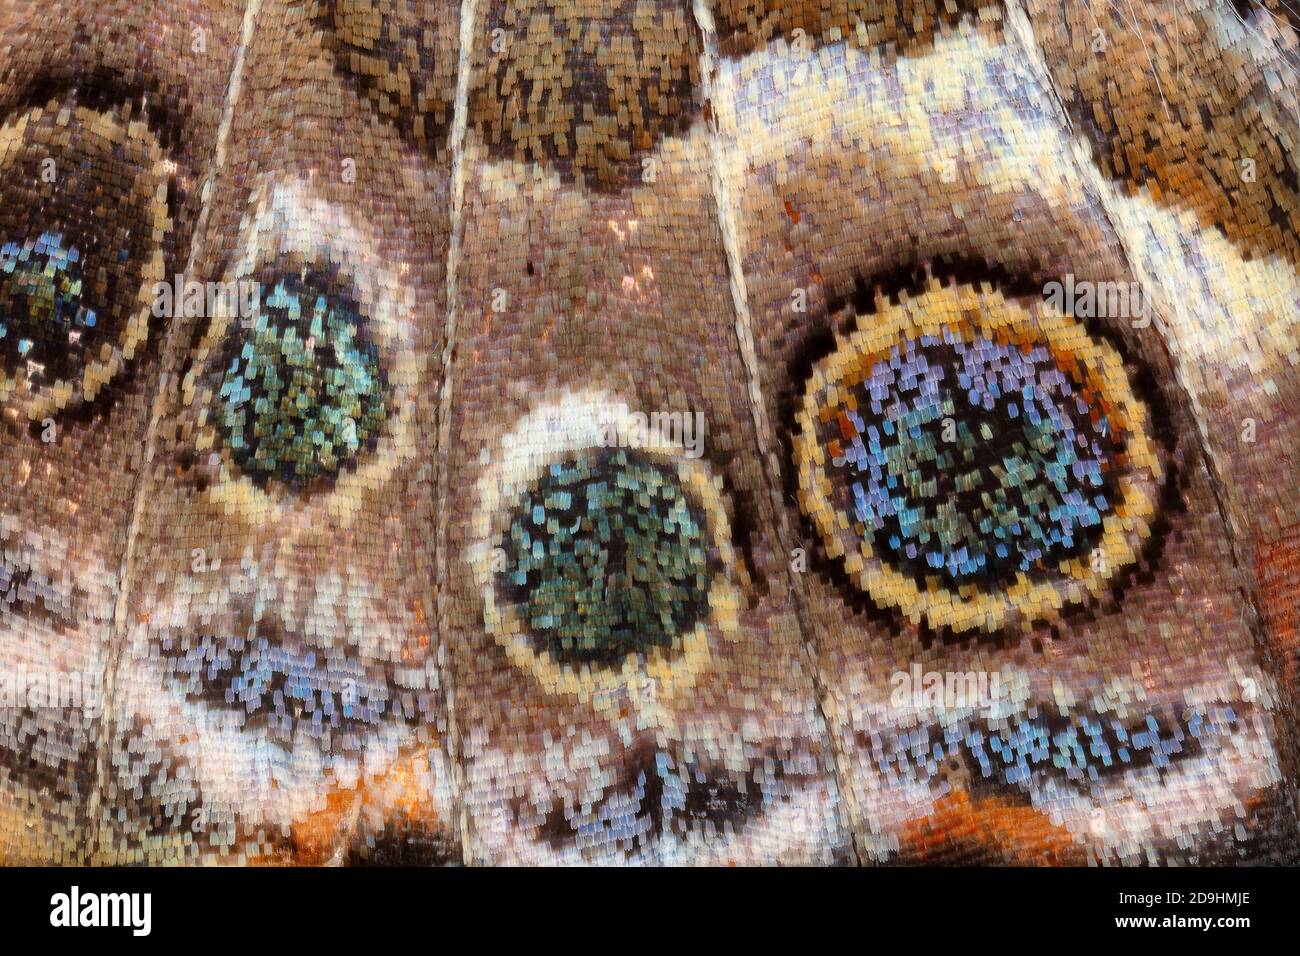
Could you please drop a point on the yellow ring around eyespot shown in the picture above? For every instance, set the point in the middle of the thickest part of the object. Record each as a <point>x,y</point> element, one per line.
<point>235,494</point>
<point>100,131</point>
<point>674,670</point>
<point>969,312</point>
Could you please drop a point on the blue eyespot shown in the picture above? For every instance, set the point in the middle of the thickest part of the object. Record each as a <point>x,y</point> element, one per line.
<point>972,459</point>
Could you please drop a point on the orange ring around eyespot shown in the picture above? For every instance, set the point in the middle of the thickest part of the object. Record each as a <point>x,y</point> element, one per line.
<point>971,313</point>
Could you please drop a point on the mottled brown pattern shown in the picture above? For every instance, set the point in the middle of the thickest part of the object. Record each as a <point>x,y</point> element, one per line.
<point>585,88</point>
<point>1134,79</point>
<point>401,54</point>
<point>903,26</point>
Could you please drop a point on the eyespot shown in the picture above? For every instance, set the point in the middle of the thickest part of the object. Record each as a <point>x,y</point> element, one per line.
<point>603,569</point>
<point>972,458</point>
<point>299,399</point>
<point>82,221</point>
<point>302,389</point>
<point>607,557</point>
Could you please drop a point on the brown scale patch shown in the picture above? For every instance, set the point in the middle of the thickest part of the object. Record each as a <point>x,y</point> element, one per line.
<point>746,25</point>
<point>1278,573</point>
<point>401,55</point>
<point>587,88</point>
<point>1136,86</point>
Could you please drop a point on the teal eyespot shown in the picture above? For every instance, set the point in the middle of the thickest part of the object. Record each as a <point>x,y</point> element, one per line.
<point>303,391</point>
<point>607,557</point>
<point>45,321</point>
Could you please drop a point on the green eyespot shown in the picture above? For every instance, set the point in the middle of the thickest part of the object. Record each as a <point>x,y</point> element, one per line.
<point>303,391</point>
<point>607,557</point>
